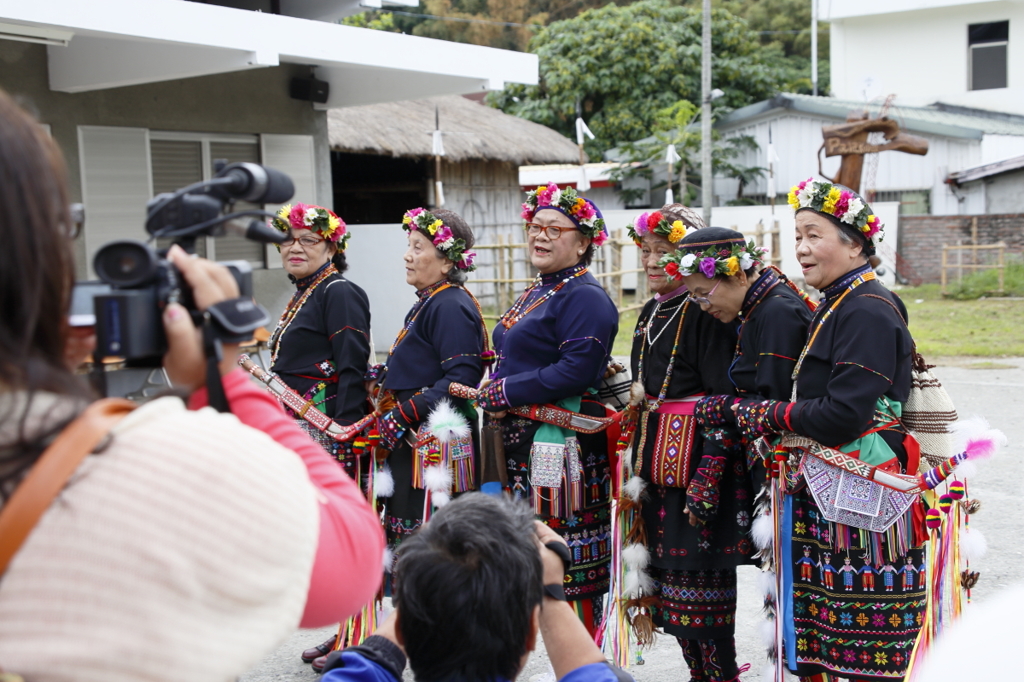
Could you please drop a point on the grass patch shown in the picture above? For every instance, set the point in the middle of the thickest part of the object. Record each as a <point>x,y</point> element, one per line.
<point>982,328</point>
<point>986,284</point>
<point>990,365</point>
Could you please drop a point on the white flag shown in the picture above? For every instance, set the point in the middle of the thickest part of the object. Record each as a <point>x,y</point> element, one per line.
<point>438,193</point>
<point>671,155</point>
<point>438,146</point>
<point>773,160</point>
<point>581,130</point>
<point>584,184</point>
<point>669,199</point>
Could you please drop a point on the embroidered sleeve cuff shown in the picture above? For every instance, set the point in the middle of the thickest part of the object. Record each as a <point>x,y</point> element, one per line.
<point>390,430</point>
<point>715,410</point>
<point>493,398</point>
<point>778,417</point>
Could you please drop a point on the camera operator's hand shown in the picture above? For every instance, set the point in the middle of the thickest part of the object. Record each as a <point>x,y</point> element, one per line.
<point>554,568</point>
<point>211,283</point>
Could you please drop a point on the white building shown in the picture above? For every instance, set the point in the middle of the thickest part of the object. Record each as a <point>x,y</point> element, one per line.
<point>961,52</point>
<point>958,139</point>
<point>142,95</point>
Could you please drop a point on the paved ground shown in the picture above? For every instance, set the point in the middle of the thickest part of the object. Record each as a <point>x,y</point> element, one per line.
<point>993,389</point>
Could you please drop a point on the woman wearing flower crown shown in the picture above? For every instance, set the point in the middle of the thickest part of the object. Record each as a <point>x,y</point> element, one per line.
<point>553,347</point>
<point>690,550</point>
<point>444,341</point>
<point>321,347</point>
<point>852,376</point>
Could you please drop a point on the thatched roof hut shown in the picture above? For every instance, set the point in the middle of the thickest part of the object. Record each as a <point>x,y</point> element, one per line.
<point>470,131</point>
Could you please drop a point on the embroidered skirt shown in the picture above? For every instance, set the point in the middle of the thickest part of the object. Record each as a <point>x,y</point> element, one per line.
<point>696,604</point>
<point>843,615</point>
<point>342,452</point>
<point>588,530</point>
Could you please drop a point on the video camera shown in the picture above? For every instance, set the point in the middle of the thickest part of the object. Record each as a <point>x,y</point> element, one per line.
<point>142,281</point>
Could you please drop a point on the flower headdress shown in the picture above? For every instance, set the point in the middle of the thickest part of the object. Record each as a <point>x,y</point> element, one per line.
<point>581,211</point>
<point>656,223</point>
<point>841,203</point>
<point>713,257</point>
<point>314,218</point>
<point>440,236</point>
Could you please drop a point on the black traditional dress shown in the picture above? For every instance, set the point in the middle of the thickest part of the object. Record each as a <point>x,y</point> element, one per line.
<point>680,353</point>
<point>441,343</point>
<point>321,348</point>
<point>844,611</point>
<point>553,346</point>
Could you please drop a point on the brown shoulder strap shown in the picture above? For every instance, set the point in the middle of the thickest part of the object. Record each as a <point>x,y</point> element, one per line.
<point>52,470</point>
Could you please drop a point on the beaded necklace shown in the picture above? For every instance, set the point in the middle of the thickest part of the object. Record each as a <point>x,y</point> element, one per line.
<point>516,312</point>
<point>440,286</point>
<point>294,306</point>
<point>856,282</point>
<point>651,407</point>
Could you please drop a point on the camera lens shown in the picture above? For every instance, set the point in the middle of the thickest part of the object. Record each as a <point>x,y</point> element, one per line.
<point>125,264</point>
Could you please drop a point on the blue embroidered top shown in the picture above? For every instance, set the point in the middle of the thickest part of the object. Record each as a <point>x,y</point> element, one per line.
<point>560,348</point>
<point>443,343</point>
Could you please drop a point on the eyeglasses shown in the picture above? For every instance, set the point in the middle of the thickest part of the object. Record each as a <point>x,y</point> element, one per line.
<point>305,242</point>
<point>552,232</point>
<point>705,300</point>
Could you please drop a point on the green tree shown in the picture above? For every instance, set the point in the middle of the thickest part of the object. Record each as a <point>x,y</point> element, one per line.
<point>624,64</point>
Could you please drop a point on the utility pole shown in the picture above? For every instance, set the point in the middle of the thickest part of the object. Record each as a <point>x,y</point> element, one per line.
<point>814,47</point>
<point>705,116</point>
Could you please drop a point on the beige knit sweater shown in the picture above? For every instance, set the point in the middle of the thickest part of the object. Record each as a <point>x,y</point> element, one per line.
<point>182,552</point>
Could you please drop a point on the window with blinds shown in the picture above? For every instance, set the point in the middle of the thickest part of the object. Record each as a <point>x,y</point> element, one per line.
<point>181,159</point>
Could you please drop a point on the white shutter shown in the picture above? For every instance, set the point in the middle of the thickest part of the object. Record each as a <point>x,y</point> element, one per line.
<point>234,247</point>
<point>116,184</point>
<point>294,155</point>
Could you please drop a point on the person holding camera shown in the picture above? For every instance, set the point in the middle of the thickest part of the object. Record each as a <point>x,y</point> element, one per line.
<point>479,582</point>
<point>190,543</point>
<point>321,347</point>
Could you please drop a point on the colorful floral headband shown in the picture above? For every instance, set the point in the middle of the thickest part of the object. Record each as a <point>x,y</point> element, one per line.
<point>723,257</point>
<point>441,237</point>
<point>656,223</point>
<point>314,218</point>
<point>839,202</point>
<point>580,210</point>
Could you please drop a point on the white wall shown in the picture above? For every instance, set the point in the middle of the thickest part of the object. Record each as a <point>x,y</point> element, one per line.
<point>920,55</point>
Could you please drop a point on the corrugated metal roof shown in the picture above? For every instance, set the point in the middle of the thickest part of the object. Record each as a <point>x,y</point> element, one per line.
<point>986,171</point>
<point>936,119</point>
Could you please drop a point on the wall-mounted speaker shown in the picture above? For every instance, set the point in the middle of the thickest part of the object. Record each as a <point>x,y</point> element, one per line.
<point>310,90</point>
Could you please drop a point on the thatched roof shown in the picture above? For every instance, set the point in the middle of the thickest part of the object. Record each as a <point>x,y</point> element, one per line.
<point>471,131</point>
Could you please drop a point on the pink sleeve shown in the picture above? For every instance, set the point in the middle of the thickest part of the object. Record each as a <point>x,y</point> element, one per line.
<point>349,558</point>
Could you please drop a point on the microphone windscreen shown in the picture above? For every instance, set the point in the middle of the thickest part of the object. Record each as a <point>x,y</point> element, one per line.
<point>279,189</point>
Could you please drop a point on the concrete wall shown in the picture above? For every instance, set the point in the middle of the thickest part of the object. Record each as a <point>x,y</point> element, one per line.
<point>244,102</point>
<point>1005,193</point>
<point>922,55</point>
<point>923,237</point>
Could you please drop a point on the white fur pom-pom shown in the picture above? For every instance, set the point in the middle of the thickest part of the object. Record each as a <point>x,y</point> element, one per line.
<point>762,531</point>
<point>768,673</point>
<point>646,582</point>
<point>631,585</point>
<point>384,481</point>
<point>437,479</point>
<point>440,499</point>
<point>767,584</point>
<point>446,423</point>
<point>634,488</point>
<point>636,393</point>
<point>767,629</point>
<point>388,559</point>
<point>967,469</point>
<point>973,544</point>
<point>636,556</point>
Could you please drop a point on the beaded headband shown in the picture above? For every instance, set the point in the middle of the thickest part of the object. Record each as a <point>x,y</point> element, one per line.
<point>583,212</point>
<point>441,237</point>
<point>720,257</point>
<point>318,219</point>
<point>841,203</point>
<point>658,223</point>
